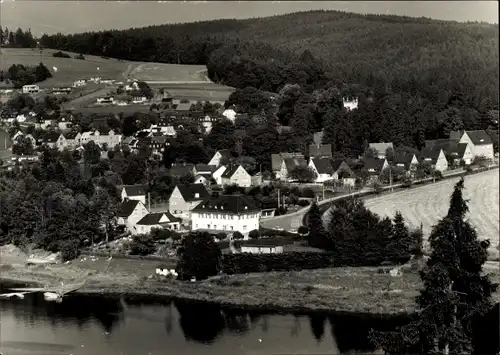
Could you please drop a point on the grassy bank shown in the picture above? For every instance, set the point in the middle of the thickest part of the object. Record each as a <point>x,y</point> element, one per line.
<point>363,290</point>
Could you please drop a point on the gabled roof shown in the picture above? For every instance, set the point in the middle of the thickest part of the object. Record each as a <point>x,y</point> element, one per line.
<point>154,218</point>
<point>292,163</point>
<point>51,137</point>
<point>127,207</point>
<point>381,147</point>
<point>373,163</point>
<point>181,170</point>
<point>70,135</point>
<point>235,204</point>
<point>228,173</point>
<point>479,137</point>
<point>277,159</point>
<point>204,168</point>
<point>403,159</point>
<point>189,192</point>
<point>432,154</point>
<point>183,107</point>
<point>159,139</point>
<point>127,140</point>
<point>323,165</point>
<point>135,190</point>
<point>320,150</point>
<point>225,153</point>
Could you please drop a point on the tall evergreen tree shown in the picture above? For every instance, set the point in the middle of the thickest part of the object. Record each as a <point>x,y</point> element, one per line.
<point>400,235</point>
<point>317,233</point>
<point>455,290</point>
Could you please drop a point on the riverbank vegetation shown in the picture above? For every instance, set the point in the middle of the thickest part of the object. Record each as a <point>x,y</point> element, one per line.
<point>455,290</point>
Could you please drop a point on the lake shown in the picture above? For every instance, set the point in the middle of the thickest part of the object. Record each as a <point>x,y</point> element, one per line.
<point>107,326</point>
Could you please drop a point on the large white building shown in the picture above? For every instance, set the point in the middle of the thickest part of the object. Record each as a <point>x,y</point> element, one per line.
<point>479,141</point>
<point>226,213</point>
<point>110,139</point>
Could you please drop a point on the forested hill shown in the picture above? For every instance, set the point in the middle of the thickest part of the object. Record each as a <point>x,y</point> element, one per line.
<point>416,78</point>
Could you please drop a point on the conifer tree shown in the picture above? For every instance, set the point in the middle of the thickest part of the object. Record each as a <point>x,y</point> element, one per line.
<point>317,234</point>
<point>400,235</point>
<point>455,290</point>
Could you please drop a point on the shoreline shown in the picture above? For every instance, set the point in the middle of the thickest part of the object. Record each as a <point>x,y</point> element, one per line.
<point>335,290</point>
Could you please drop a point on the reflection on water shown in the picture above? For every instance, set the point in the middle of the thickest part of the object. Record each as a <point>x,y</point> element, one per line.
<point>97,325</point>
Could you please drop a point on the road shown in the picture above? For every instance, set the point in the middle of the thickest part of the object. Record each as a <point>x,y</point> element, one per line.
<point>294,220</point>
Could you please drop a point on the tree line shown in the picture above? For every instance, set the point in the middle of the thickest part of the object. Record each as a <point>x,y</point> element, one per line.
<point>17,39</point>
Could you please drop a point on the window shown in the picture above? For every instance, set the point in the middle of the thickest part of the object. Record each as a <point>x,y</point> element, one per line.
<point>224,227</point>
<point>231,227</point>
<point>215,226</point>
<point>244,228</point>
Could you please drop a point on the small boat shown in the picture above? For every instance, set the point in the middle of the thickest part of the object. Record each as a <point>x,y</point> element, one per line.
<point>52,296</point>
<point>19,295</point>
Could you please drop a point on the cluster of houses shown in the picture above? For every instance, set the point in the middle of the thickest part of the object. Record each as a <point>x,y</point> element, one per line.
<point>190,207</point>
<point>441,154</point>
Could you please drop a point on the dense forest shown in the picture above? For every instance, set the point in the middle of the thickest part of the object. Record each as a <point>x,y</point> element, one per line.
<point>416,78</point>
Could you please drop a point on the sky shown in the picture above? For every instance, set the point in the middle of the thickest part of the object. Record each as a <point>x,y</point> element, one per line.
<point>70,16</point>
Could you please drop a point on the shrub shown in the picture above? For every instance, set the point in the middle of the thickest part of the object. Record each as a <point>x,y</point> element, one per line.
<point>69,250</point>
<point>245,262</point>
<point>60,54</point>
<point>199,256</point>
<point>255,234</point>
<point>303,203</point>
<point>308,193</point>
<point>142,245</point>
<point>302,230</point>
<point>237,235</point>
<point>80,56</point>
<point>438,175</point>
<point>221,236</point>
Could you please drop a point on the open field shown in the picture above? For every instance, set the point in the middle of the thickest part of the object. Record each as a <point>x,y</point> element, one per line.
<point>196,91</point>
<point>68,69</point>
<point>430,203</point>
<point>169,72</point>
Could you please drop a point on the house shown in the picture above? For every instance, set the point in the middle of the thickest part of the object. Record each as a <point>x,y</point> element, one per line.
<point>202,179</point>
<point>158,144</point>
<point>332,169</point>
<point>105,100</point>
<point>350,105</point>
<point>110,138</point>
<point>374,167</point>
<point>264,246</point>
<point>320,150</point>
<point>217,174</point>
<point>221,157</point>
<point>71,140</point>
<point>79,83</point>
<point>130,212</point>
<point>179,171</point>
<point>203,169</point>
<point>435,157</point>
<point>139,99</point>
<point>281,168</point>
<point>257,179</point>
<point>61,90</point>
<point>186,197</point>
<point>453,150</point>
<point>134,192</point>
<point>381,148</point>
<point>226,213</point>
<point>407,162</point>
<point>480,142</point>
<point>160,220</point>
<point>64,124</point>
<point>53,139</point>
<point>30,89</point>
<point>236,175</point>
<point>230,114</point>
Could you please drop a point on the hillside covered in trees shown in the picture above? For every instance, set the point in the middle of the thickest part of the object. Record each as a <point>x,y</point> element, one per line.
<point>415,78</point>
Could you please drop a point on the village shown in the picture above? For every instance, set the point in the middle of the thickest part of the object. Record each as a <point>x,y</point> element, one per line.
<point>201,204</point>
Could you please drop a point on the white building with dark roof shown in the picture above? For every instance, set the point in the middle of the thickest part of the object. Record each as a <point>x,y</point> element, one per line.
<point>479,141</point>
<point>134,192</point>
<point>160,220</point>
<point>226,213</point>
<point>185,198</point>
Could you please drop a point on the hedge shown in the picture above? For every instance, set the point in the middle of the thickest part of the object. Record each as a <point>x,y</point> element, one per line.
<point>246,262</point>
